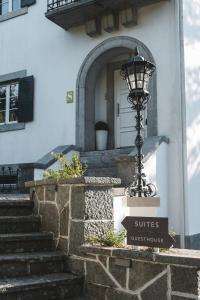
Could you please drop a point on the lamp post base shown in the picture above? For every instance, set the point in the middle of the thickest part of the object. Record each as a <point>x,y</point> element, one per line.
<point>140,188</point>
<point>141,201</point>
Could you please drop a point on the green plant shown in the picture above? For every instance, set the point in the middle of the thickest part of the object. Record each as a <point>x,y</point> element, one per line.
<point>101,126</point>
<point>111,238</point>
<point>67,169</point>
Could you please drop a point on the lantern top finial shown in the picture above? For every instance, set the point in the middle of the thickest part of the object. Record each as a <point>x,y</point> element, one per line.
<point>136,51</point>
<point>137,57</point>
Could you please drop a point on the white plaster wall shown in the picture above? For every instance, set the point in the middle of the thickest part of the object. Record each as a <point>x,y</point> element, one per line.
<point>157,169</point>
<point>191,21</point>
<point>54,57</point>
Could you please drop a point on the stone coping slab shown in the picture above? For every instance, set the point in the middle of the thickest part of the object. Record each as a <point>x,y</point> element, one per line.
<point>172,256</point>
<point>151,144</point>
<point>96,181</point>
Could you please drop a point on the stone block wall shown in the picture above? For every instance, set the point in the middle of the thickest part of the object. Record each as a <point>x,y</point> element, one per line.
<point>74,209</point>
<point>123,274</point>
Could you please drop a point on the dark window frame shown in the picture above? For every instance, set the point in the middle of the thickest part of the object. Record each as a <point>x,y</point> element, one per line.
<point>8,101</point>
<point>26,82</point>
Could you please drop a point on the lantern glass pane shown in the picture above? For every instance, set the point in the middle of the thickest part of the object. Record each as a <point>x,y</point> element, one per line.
<point>140,70</point>
<point>147,78</point>
<point>146,86</point>
<point>132,81</point>
<point>146,82</point>
<point>140,77</point>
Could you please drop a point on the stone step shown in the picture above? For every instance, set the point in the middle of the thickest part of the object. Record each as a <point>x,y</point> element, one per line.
<point>19,224</point>
<point>98,161</point>
<point>46,287</point>
<point>27,264</point>
<point>112,152</point>
<point>106,158</point>
<point>12,205</point>
<point>26,242</point>
<point>82,298</point>
<point>102,172</point>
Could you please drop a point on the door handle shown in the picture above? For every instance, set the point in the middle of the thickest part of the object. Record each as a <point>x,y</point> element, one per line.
<point>118,109</point>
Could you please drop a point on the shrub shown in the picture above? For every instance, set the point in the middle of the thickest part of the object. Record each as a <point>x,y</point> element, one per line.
<point>101,126</point>
<point>111,238</point>
<point>67,169</point>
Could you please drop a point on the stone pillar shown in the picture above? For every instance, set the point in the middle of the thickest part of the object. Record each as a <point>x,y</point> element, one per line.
<point>91,213</point>
<point>74,209</point>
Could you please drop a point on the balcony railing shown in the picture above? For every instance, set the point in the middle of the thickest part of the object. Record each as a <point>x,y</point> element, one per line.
<point>54,4</point>
<point>9,180</point>
<point>71,13</point>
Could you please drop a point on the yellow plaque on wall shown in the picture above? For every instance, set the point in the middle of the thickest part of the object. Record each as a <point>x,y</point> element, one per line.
<point>70,97</point>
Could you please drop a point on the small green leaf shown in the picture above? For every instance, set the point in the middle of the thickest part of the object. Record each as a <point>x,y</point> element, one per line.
<point>66,169</point>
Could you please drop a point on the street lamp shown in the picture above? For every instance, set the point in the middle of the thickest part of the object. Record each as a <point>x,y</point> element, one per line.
<point>137,73</point>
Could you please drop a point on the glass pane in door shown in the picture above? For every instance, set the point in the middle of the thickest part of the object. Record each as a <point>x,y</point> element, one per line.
<point>4,7</point>
<point>16,4</point>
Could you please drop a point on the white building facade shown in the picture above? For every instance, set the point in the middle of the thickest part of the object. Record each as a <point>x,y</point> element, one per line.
<point>57,81</point>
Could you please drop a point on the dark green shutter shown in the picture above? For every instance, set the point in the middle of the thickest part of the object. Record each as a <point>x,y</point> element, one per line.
<point>27,2</point>
<point>26,95</point>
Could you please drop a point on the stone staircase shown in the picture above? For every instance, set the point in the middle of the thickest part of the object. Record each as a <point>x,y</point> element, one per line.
<point>103,163</point>
<point>30,268</point>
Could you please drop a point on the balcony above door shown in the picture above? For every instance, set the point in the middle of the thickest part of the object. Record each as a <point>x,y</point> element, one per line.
<point>71,13</point>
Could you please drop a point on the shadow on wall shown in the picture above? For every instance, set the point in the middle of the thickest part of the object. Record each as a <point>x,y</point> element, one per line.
<point>193,121</point>
<point>192,40</point>
<point>192,21</point>
<point>192,71</point>
<point>193,158</point>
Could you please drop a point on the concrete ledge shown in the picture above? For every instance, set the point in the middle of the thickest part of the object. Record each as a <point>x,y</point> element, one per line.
<point>151,144</point>
<point>48,159</point>
<point>14,14</point>
<point>96,181</point>
<point>135,201</point>
<point>141,201</point>
<point>12,127</point>
<point>13,76</point>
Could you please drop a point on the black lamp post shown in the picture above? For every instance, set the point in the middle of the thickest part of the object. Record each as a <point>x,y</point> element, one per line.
<point>137,73</point>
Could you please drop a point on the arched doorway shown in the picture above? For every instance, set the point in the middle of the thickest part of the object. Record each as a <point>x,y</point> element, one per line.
<point>107,58</point>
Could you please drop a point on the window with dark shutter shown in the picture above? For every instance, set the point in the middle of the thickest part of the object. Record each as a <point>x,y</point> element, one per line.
<point>25,3</point>
<point>26,95</point>
<point>7,6</point>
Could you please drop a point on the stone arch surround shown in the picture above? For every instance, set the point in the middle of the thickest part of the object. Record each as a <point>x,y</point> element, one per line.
<point>100,56</point>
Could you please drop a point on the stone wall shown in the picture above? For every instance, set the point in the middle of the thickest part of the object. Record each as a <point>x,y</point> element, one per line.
<point>74,209</point>
<point>124,274</point>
